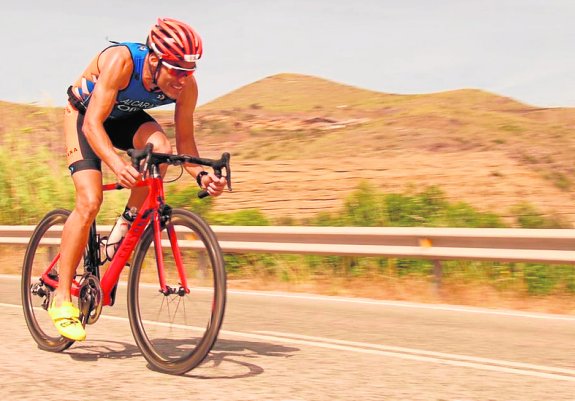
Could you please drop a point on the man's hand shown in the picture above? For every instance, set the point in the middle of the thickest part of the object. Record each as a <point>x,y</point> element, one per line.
<point>214,185</point>
<point>127,175</point>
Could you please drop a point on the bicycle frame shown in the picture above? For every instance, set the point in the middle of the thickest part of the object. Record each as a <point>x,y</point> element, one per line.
<point>150,211</point>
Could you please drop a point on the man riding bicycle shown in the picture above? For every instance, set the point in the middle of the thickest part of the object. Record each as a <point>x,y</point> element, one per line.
<point>105,110</point>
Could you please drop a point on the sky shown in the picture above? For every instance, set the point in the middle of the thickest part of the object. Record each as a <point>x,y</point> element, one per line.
<point>524,49</point>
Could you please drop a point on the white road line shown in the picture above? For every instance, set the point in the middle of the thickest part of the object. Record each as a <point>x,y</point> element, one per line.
<point>411,354</point>
<point>423,352</point>
<point>396,304</point>
<point>412,357</point>
<point>403,304</point>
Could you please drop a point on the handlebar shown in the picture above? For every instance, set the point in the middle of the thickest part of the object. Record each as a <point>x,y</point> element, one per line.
<point>154,159</point>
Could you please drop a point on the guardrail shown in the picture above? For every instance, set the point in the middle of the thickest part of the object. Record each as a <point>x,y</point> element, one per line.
<point>495,244</point>
<point>436,244</point>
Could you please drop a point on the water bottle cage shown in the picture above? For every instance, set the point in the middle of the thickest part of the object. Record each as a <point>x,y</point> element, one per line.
<point>102,241</point>
<point>104,247</point>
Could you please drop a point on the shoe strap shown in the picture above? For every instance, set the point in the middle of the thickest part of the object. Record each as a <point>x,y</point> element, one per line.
<point>66,311</point>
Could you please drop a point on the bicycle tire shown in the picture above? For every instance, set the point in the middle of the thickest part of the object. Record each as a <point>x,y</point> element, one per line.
<point>184,352</point>
<point>39,323</point>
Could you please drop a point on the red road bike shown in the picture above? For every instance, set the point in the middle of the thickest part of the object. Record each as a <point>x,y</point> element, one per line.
<point>176,281</point>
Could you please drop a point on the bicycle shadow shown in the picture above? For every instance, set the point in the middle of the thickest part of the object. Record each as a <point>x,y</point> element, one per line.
<point>229,359</point>
<point>230,352</point>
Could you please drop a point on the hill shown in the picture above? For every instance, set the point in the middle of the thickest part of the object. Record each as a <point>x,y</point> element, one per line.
<point>309,141</point>
<point>300,144</point>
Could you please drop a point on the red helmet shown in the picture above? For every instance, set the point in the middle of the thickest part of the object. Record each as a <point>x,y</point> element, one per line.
<point>173,40</point>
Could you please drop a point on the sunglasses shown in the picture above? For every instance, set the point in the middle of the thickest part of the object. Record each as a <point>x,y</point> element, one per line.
<point>177,71</point>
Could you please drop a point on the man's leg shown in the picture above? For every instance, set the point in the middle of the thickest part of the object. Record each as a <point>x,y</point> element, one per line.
<point>88,185</point>
<point>87,180</point>
<point>63,312</point>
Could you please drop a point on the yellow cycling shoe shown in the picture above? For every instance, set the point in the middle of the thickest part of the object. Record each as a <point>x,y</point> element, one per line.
<point>67,322</point>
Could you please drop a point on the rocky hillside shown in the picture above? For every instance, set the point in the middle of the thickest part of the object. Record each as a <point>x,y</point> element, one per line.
<point>300,144</point>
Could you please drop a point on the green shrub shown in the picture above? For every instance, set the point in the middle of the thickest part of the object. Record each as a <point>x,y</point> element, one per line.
<point>528,216</point>
<point>248,217</point>
<point>367,207</point>
<point>540,279</point>
<point>364,207</point>
<point>32,181</point>
<point>186,196</point>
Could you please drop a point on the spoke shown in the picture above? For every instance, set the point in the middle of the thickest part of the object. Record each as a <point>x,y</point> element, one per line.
<point>185,311</point>
<point>158,314</point>
<point>177,307</point>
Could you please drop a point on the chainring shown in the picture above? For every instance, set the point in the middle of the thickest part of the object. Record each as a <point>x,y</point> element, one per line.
<point>90,299</point>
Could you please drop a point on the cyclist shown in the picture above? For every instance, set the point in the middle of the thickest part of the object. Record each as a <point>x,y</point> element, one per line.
<point>105,110</point>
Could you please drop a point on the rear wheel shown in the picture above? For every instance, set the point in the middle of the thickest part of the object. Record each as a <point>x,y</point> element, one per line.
<point>42,250</point>
<point>176,330</point>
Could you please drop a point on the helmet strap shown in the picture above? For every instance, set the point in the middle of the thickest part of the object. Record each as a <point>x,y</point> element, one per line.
<point>155,74</point>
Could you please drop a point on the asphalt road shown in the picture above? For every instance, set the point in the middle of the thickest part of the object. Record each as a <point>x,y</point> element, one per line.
<point>277,346</point>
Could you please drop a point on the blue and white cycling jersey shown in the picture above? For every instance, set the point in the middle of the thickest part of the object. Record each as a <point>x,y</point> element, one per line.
<point>134,97</point>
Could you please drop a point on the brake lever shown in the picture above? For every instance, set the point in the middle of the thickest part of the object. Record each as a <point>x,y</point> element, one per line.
<point>226,158</point>
<point>146,164</point>
<point>139,155</point>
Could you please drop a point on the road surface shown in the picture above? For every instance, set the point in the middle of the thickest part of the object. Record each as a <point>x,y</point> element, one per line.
<point>279,346</point>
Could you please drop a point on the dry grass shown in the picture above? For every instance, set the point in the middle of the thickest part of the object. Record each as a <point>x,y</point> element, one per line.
<point>417,290</point>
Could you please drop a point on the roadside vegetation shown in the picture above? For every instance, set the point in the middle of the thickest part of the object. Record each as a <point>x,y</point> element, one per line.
<point>368,207</point>
<point>43,184</point>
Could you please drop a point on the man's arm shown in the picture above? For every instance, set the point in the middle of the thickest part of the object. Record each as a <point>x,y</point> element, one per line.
<point>185,139</point>
<point>184,119</point>
<point>115,67</point>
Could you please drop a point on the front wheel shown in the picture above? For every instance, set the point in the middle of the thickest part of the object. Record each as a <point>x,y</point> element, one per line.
<point>175,329</point>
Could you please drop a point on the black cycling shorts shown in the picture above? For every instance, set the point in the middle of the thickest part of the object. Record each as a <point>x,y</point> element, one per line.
<point>121,132</point>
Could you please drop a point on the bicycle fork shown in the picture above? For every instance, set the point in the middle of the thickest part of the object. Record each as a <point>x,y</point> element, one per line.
<point>162,219</point>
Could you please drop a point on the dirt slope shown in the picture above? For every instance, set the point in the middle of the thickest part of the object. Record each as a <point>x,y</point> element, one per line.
<point>300,144</point>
